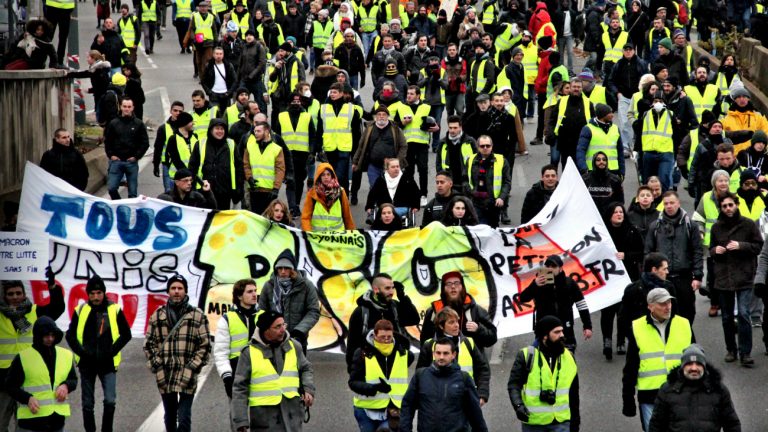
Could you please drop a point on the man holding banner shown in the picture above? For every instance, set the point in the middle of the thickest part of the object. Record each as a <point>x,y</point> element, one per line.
<point>17,317</point>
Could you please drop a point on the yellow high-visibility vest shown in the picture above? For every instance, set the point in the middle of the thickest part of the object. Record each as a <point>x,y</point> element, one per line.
<point>530,63</point>
<point>82,316</point>
<point>203,120</point>
<point>296,139</point>
<point>272,10</point>
<point>701,102</point>
<point>263,164</point>
<point>658,357</point>
<point>498,167</point>
<point>613,53</point>
<point>694,134</point>
<point>606,143</point>
<point>337,129</point>
<point>488,15</point>
<point>183,8</point>
<point>542,377</point>
<point>442,90</point>
<point>482,80</point>
<point>598,95</point>
<point>467,150</point>
<point>218,6</point>
<point>368,18</point>
<point>13,342</point>
<point>185,151</point>
<point>231,147</point>
<point>242,23</point>
<point>657,137</point>
<point>149,13</point>
<point>204,26</point>
<point>61,4</point>
<point>505,40</point>
<point>127,30</point>
<point>320,33</point>
<point>238,333</point>
<point>412,131</point>
<point>397,379</point>
<point>323,220</point>
<point>650,36</point>
<point>37,382</point>
<point>540,34</point>
<point>563,105</point>
<point>267,387</point>
<point>758,207</point>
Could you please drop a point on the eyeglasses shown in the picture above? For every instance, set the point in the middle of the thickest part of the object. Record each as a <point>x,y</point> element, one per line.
<point>727,205</point>
<point>601,159</point>
<point>453,284</point>
<point>485,146</point>
<point>279,326</point>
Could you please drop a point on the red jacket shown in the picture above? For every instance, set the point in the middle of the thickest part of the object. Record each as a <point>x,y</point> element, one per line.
<point>456,75</point>
<point>540,85</point>
<point>539,18</point>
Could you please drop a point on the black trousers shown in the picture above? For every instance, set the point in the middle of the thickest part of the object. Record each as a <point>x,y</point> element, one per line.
<point>59,18</point>
<point>299,175</point>
<point>260,201</point>
<point>418,157</point>
<point>223,200</point>
<point>607,316</point>
<point>686,296</point>
<point>540,100</point>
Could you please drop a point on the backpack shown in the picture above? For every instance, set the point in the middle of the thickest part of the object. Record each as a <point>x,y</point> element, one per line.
<point>109,107</point>
<point>682,12</point>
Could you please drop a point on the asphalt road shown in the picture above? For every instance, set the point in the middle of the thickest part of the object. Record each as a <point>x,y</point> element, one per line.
<point>169,77</point>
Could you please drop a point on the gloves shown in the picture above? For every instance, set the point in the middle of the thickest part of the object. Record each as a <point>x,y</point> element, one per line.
<point>228,381</point>
<point>311,159</point>
<point>299,336</point>
<point>51,278</point>
<point>522,413</point>
<point>252,183</point>
<point>629,408</point>
<point>383,387</point>
<point>400,290</point>
<point>760,290</point>
<point>156,171</point>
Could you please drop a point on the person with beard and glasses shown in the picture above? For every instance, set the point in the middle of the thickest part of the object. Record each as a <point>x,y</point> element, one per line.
<point>382,140</point>
<point>183,193</point>
<point>296,128</point>
<point>642,211</point>
<point>557,298</point>
<point>743,116</point>
<point>177,346</point>
<point>488,181</point>
<point>17,316</point>
<point>634,301</point>
<point>274,382</point>
<point>539,194</point>
<point>543,383</point>
<point>629,247</point>
<point>234,330</point>
<point>65,161</point>
<point>326,207</point>
<point>600,134</point>
<point>97,332</point>
<point>603,186</point>
<point>474,319</point>
<point>438,410</point>
<point>40,379</point>
<point>379,377</point>
<point>456,148</point>
<point>376,304</point>
<point>456,72</point>
<point>573,113</point>
<point>470,357</point>
<point>655,346</point>
<point>290,293</point>
<point>264,166</point>
<point>735,243</point>
<point>703,95</point>
<point>438,205</point>
<point>459,212</point>
<point>694,397</point>
<point>675,235</point>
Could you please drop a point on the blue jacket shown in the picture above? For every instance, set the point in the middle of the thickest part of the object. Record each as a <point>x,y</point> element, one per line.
<point>581,149</point>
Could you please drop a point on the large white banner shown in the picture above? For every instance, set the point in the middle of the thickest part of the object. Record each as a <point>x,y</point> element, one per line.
<point>136,244</point>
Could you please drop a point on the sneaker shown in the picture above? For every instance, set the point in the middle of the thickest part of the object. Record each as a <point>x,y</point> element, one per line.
<point>730,357</point>
<point>747,361</point>
<point>354,199</point>
<point>146,51</point>
<point>608,353</point>
<point>621,349</point>
<point>159,37</point>
<point>183,51</point>
<point>536,141</point>
<point>423,201</point>
<point>756,324</point>
<point>189,50</point>
<point>713,310</point>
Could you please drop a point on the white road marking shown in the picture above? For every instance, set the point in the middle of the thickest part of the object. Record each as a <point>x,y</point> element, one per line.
<point>146,57</point>
<point>155,422</point>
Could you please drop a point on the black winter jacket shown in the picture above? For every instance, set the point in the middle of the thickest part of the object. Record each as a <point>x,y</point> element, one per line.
<point>352,60</point>
<point>66,163</point>
<point>703,405</point>
<point>625,76</point>
<point>642,218</point>
<point>679,239</point>
<point>199,199</point>
<point>253,62</point>
<point>634,303</point>
<point>111,48</point>
<point>446,399</point>
<point>535,200</point>
<point>209,77</point>
<point>97,350</point>
<point>216,167</point>
<point>126,137</point>
<point>604,186</point>
<point>435,209</point>
<point>406,194</point>
<point>485,335</point>
<point>735,269</point>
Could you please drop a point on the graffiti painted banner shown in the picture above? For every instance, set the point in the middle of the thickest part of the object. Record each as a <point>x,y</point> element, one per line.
<point>136,244</point>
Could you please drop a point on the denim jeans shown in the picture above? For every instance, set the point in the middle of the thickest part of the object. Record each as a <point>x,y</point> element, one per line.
<point>742,300</point>
<point>554,154</point>
<point>437,113</point>
<point>108,385</point>
<point>625,127</point>
<point>167,181</point>
<point>367,39</point>
<point>646,411</point>
<point>374,172</point>
<point>454,104</point>
<point>531,111</point>
<point>115,172</point>
<point>178,407</point>
<point>556,427</point>
<point>339,160</point>
<point>661,165</point>
<point>565,46</point>
<point>354,81</point>
<point>257,89</point>
<point>366,423</point>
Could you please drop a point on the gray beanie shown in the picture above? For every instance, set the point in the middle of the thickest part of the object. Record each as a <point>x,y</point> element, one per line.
<point>739,91</point>
<point>717,174</point>
<point>694,353</point>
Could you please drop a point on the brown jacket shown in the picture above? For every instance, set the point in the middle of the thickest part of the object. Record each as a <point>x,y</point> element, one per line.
<point>177,358</point>
<point>279,168</point>
<point>313,197</point>
<point>360,159</point>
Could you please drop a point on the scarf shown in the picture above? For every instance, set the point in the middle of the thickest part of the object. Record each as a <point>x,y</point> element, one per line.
<point>329,190</point>
<point>384,348</point>
<point>176,310</point>
<point>17,315</point>
<point>282,288</point>
<point>392,183</point>
<point>668,229</point>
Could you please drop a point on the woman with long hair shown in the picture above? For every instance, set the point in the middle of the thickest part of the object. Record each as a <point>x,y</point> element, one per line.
<point>326,207</point>
<point>134,90</point>
<point>396,188</point>
<point>460,212</point>
<point>387,220</point>
<point>277,211</point>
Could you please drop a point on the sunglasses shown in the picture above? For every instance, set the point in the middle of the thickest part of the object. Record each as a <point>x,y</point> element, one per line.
<point>485,146</point>
<point>728,205</point>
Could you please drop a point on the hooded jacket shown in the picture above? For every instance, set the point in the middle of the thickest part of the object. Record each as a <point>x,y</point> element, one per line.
<point>535,200</point>
<point>703,405</point>
<point>15,380</point>
<point>313,197</point>
<point>288,415</point>
<point>300,304</point>
<point>604,186</point>
<point>357,382</point>
<point>66,163</point>
<point>735,269</point>
<point>484,336</point>
<point>747,118</point>
<point>539,18</point>
<point>216,166</point>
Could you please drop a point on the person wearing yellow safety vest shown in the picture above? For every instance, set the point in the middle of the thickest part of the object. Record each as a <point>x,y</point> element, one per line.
<point>743,116</point>
<point>509,36</point>
<point>59,14</point>
<point>17,315</point>
<point>657,33</point>
<point>340,126</point>
<point>544,382</point>
<point>337,37</point>
<point>727,74</point>
<point>455,150</point>
<point>297,129</point>
<point>438,409</point>
<point>600,134</point>
<point>596,93</point>
<point>216,160</point>
<point>656,344</point>
<point>177,345</point>
<point>274,381</point>
<point>656,142</point>
<point>470,357</point>
<point>413,118</point>
<point>203,26</point>
<point>181,144</point>
<point>481,77</point>
<point>97,332</point>
<point>242,18</point>
<point>326,207</point>
<point>264,166</point>
<point>183,14</point>
<point>270,32</point>
<point>613,42</point>
<point>234,329</point>
<point>572,114</point>
<point>164,134</point>
<point>130,30</point>
<point>285,73</point>
<point>379,375</point>
<point>202,112</point>
<point>40,378</point>
<point>232,112</point>
<point>513,76</point>
<point>489,180</point>
<point>703,95</point>
<point>319,34</point>
<point>366,21</point>
<point>150,12</point>
<point>751,199</point>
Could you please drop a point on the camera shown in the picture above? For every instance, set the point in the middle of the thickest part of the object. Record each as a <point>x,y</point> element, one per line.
<point>547,396</point>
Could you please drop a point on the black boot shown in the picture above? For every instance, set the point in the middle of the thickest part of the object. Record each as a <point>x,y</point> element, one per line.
<point>108,418</point>
<point>89,421</point>
<point>608,349</point>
